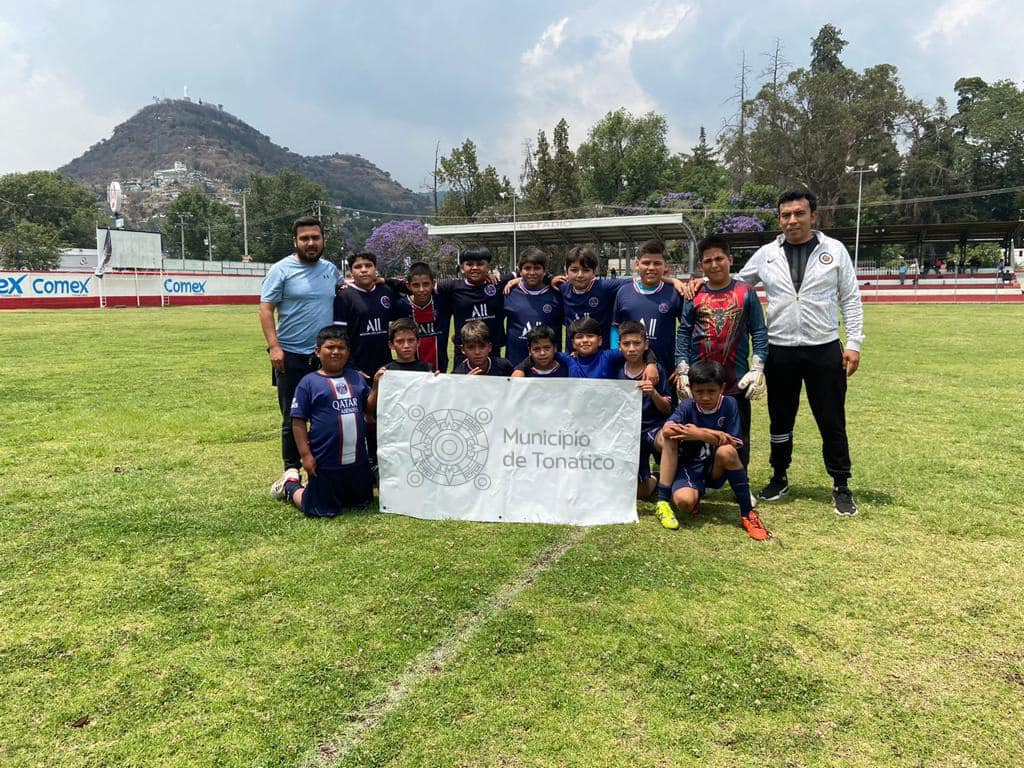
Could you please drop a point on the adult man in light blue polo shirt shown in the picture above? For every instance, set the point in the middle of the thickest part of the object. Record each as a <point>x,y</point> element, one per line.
<point>300,288</point>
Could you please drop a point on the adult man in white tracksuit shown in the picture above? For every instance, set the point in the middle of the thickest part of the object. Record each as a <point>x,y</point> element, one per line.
<point>809,279</point>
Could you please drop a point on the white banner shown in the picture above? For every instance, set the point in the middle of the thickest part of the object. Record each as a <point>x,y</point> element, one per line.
<point>508,450</point>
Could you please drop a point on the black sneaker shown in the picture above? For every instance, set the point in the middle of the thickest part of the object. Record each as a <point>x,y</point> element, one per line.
<point>777,488</point>
<point>843,503</point>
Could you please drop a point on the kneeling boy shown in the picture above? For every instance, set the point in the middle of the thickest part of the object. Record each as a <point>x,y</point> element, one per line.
<point>700,438</point>
<point>328,421</point>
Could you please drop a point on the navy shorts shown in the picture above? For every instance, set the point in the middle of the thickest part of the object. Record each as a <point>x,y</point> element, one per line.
<point>647,451</point>
<point>697,476</point>
<point>332,490</point>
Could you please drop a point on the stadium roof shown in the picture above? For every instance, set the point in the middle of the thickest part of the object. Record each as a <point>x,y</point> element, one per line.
<point>889,234</point>
<point>663,226</point>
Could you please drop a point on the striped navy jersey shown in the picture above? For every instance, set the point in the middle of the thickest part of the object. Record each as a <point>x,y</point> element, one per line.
<point>333,406</point>
<point>526,309</point>
<point>725,418</point>
<point>368,314</point>
<point>658,309</point>
<point>596,302</point>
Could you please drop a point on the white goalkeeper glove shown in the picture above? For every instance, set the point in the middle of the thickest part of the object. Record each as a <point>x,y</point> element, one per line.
<point>683,381</point>
<point>753,380</point>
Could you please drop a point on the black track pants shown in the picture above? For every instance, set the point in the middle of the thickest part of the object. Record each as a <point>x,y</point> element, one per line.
<point>820,368</point>
<point>295,367</point>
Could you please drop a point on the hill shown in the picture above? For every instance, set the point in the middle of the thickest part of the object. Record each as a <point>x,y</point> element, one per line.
<point>222,148</point>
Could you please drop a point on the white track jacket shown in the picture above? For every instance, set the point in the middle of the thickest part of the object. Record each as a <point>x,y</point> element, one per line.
<point>811,316</point>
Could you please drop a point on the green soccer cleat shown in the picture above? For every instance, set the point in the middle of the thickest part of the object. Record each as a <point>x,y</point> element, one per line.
<point>665,514</point>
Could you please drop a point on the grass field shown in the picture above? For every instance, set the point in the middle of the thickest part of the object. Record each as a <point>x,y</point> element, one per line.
<point>148,584</point>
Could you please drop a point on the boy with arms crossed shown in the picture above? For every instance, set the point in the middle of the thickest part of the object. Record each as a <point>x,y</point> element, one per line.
<point>328,419</point>
<point>698,451</point>
<point>719,323</point>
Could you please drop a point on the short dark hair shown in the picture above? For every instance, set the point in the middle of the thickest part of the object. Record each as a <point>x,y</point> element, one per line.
<point>798,194</point>
<point>541,333</point>
<point>632,328</point>
<point>707,372</point>
<point>652,247</point>
<point>396,327</point>
<point>420,268</point>
<point>533,255</point>
<point>583,255</point>
<point>587,325</point>
<point>710,243</point>
<point>475,332</point>
<point>475,253</point>
<point>332,331</point>
<point>306,221</point>
<point>365,255</point>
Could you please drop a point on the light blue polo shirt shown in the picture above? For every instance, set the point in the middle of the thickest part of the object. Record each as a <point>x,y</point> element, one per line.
<point>304,295</point>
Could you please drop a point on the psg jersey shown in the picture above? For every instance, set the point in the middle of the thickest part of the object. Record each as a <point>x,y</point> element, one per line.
<point>558,371</point>
<point>432,323</point>
<point>598,302</point>
<point>333,406</point>
<point>476,302</point>
<point>657,308</point>
<point>368,314</point>
<point>725,418</point>
<point>650,416</point>
<point>526,309</point>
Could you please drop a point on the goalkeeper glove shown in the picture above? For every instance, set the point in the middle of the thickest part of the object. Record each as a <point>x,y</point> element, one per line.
<point>683,380</point>
<point>753,380</point>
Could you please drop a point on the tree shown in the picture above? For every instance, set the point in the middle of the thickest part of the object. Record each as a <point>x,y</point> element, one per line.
<point>274,202</point>
<point>936,164</point>
<point>625,159</point>
<point>396,244</point>
<point>29,245</point>
<point>57,203</point>
<point>565,177</point>
<point>471,192</point>
<point>808,129</point>
<point>539,182</point>
<point>702,173</point>
<point>202,216</point>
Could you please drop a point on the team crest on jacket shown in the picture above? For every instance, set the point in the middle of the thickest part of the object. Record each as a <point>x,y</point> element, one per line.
<point>663,308</point>
<point>593,301</point>
<point>825,258</point>
<point>490,290</point>
<point>385,302</point>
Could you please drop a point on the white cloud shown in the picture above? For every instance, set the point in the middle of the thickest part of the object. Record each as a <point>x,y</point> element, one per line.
<point>951,18</point>
<point>580,68</point>
<point>48,120</point>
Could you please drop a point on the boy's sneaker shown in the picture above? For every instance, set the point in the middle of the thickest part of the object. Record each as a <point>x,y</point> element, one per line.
<point>667,517</point>
<point>277,489</point>
<point>755,528</point>
<point>843,503</point>
<point>777,488</point>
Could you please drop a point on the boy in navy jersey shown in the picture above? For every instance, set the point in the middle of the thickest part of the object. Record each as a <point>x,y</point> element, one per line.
<point>720,323</point>
<point>367,308</point>
<point>656,405</point>
<point>432,314</point>
<point>474,297</point>
<point>541,362</point>
<point>650,301</point>
<point>698,449</point>
<point>584,294</point>
<point>476,343</point>
<point>328,419</point>
<point>530,303</point>
<point>404,342</point>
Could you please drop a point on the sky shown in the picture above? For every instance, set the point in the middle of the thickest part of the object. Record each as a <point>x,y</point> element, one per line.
<point>390,81</point>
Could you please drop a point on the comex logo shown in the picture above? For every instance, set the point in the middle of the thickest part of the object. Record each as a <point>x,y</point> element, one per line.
<point>194,287</point>
<point>44,286</point>
<point>449,447</point>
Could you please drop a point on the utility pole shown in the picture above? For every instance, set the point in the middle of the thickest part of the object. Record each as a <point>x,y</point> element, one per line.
<point>181,223</point>
<point>245,231</point>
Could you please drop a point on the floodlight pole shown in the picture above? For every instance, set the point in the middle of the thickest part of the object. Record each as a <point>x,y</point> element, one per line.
<point>873,168</point>
<point>181,222</point>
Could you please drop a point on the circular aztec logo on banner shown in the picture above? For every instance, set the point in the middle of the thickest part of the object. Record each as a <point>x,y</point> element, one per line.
<point>825,258</point>
<point>490,290</point>
<point>449,447</point>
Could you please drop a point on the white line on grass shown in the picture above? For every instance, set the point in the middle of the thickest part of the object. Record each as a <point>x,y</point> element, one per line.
<point>432,662</point>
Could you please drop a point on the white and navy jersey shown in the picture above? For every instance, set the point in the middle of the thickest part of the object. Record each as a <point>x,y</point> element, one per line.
<point>650,416</point>
<point>725,418</point>
<point>525,309</point>
<point>658,309</point>
<point>334,406</point>
<point>476,302</point>
<point>368,314</point>
<point>598,302</point>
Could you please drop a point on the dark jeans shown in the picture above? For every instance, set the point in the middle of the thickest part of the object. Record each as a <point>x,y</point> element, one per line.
<point>820,367</point>
<point>295,367</point>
